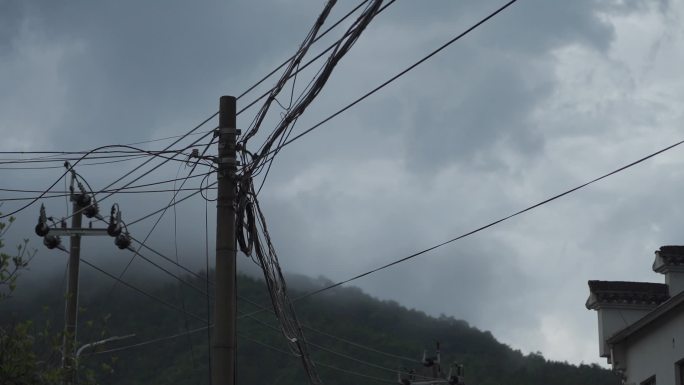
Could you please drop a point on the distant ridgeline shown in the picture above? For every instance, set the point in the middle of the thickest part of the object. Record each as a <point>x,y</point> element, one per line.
<point>395,335</point>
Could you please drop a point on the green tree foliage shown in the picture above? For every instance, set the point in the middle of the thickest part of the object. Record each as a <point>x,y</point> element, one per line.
<point>11,265</point>
<point>344,312</point>
<point>19,363</point>
<point>30,351</point>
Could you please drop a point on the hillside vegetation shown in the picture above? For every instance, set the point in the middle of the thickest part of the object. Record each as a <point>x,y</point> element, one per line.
<point>263,357</point>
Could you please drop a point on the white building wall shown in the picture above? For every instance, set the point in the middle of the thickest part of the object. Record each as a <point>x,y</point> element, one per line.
<point>655,350</point>
<point>613,319</point>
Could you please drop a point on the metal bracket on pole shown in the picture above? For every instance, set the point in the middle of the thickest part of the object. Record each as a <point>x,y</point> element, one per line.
<point>84,232</point>
<point>229,131</point>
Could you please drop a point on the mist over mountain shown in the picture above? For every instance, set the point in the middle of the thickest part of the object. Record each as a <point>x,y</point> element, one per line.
<point>354,338</point>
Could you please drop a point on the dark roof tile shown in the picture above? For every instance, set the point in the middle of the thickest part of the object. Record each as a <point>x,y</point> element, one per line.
<point>672,255</point>
<point>626,293</point>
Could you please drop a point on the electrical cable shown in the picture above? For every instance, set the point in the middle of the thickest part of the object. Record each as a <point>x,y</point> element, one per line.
<point>311,61</point>
<point>345,356</point>
<point>55,167</point>
<point>99,217</point>
<point>171,203</point>
<point>155,167</point>
<point>124,190</point>
<point>241,335</point>
<point>244,93</point>
<point>341,49</point>
<point>503,219</point>
<point>318,331</point>
<point>55,153</point>
<point>62,194</point>
<point>153,297</point>
<point>293,56</point>
<point>61,159</point>
<point>206,197</point>
<point>147,247</point>
<point>206,254</point>
<point>147,161</point>
<point>48,154</point>
<point>127,158</point>
<point>247,204</point>
<point>395,77</point>
<point>137,252</point>
<point>293,63</point>
<point>74,165</point>
<point>148,342</point>
<point>180,288</point>
<point>491,224</point>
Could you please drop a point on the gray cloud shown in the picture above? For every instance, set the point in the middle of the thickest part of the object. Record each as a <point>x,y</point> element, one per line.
<point>539,99</point>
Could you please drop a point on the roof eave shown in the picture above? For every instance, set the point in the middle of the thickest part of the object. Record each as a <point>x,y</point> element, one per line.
<point>644,321</point>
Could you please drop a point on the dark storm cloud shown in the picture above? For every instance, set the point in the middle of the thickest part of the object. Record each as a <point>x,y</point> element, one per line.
<point>452,145</point>
<point>495,80</point>
<point>143,66</point>
<point>488,103</point>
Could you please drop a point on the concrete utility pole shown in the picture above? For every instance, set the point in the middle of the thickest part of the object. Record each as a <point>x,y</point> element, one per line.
<point>68,362</point>
<point>224,344</point>
<point>82,204</point>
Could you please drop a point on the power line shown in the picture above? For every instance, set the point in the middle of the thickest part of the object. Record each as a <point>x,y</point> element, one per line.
<point>143,164</point>
<point>395,77</point>
<point>70,167</point>
<point>477,230</point>
<point>127,159</point>
<point>153,341</point>
<point>216,113</point>
<point>66,194</point>
<point>171,203</point>
<point>153,297</point>
<point>339,354</point>
<point>208,296</point>
<point>244,93</point>
<point>304,66</point>
<point>241,335</point>
<point>271,327</point>
<point>206,255</point>
<point>293,56</point>
<point>83,164</point>
<point>180,289</point>
<point>179,279</point>
<point>169,259</point>
<point>54,153</point>
<point>118,190</point>
<point>56,158</point>
<point>159,165</point>
<point>318,331</point>
<point>309,40</point>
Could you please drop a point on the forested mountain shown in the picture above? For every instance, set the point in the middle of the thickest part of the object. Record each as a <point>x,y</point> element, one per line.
<point>263,356</point>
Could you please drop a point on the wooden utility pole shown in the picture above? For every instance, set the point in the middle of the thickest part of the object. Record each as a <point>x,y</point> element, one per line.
<point>224,344</point>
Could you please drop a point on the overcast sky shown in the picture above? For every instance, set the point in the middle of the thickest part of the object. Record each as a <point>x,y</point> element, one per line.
<point>545,96</point>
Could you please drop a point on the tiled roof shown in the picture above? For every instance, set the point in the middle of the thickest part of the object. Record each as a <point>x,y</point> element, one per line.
<point>672,255</point>
<point>626,293</point>
<point>668,306</point>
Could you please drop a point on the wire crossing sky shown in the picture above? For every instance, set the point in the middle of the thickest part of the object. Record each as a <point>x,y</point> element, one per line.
<point>536,99</point>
